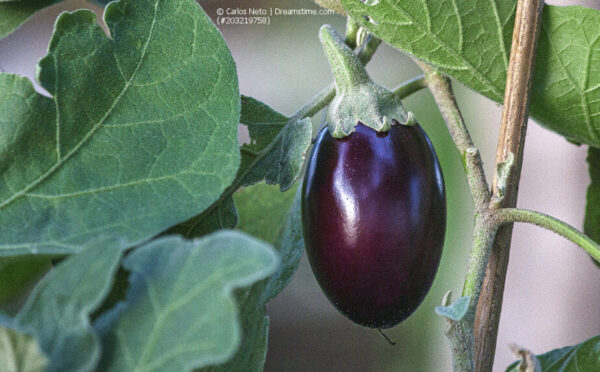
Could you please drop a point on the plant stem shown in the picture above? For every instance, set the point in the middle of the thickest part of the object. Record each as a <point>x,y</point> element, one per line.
<point>510,215</point>
<point>410,86</point>
<point>441,88</point>
<point>316,104</point>
<point>368,48</point>
<point>351,32</point>
<point>512,135</point>
<point>322,99</point>
<point>460,333</point>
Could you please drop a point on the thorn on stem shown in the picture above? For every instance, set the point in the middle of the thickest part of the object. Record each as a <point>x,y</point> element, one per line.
<point>447,299</point>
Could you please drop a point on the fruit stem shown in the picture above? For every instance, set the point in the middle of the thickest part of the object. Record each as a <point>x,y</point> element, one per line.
<point>347,69</point>
<point>324,97</point>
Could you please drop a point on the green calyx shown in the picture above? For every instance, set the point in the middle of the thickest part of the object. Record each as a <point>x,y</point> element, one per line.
<point>357,98</point>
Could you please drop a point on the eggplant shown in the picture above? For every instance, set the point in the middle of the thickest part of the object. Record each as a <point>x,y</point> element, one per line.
<point>373,199</point>
<point>374,219</point>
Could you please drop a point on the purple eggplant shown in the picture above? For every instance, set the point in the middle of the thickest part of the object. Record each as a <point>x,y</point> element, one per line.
<point>374,219</point>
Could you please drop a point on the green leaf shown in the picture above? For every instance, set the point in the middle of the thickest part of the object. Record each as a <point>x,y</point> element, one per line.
<point>290,245</point>
<point>264,210</point>
<point>280,162</point>
<point>277,145</point>
<point>263,122</point>
<point>19,351</point>
<point>220,215</point>
<point>141,133</point>
<point>581,357</point>
<point>58,309</point>
<point>14,13</point>
<point>470,41</point>
<point>275,154</point>
<point>18,274</point>
<point>179,313</point>
<point>456,311</point>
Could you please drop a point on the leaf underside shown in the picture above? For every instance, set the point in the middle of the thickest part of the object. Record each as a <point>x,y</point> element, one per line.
<point>141,132</point>
<point>58,309</point>
<point>179,312</point>
<point>282,227</point>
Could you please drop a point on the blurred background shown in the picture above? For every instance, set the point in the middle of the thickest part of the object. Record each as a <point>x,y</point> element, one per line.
<point>552,296</point>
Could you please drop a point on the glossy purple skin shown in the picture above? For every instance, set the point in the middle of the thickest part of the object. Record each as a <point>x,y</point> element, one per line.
<point>374,218</point>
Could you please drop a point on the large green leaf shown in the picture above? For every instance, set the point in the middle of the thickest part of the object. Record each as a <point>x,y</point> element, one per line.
<point>57,311</point>
<point>275,154</point>
<point>582,357</point>
<point>256,207</point>
<point>179,313</point>
<point>19,351</point>
<point>141,133</point>
<point>470,41</point>
<point>14,13</point>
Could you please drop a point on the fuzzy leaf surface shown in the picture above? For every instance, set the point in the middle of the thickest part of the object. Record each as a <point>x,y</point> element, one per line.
<point>179,312</point>
<point>581,357</point>
<point>275,155</point>
<point>141,132</point>
<point>255,203</point>
<point>57,311</point>
<point>279,162</point>
<point>470,41</point>
<point>14,13</point>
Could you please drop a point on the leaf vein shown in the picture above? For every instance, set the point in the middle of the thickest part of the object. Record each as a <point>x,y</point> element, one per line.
<point>478,74</point>
<point>92,131</point>
<point>500,36</point>
<point>584,107</point>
